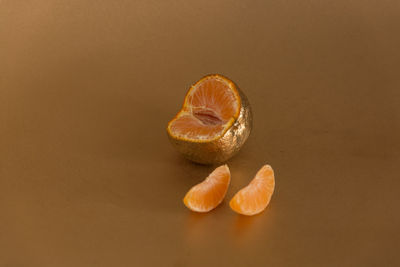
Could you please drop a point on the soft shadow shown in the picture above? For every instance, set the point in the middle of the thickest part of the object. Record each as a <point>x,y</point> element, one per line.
<point>242,224</point>
<point>197,225</point>
<point>195,229</point>
<point>244,227</point>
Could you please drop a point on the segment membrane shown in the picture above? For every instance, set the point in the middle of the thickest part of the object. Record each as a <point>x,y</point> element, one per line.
<point>190,127</point>
<point>209,106</point>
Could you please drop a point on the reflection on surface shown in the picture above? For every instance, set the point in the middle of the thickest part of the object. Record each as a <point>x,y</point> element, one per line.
<point>195,226</point>
<point>246,229</point>
<point>221,224</point>
<point>243,226</point>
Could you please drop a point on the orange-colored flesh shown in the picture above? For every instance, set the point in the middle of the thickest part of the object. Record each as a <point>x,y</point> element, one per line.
<point>213,94</point>
<point>190,127</point>
<point>208,194</point>
<point>255,197</point>
<point>208,108</point>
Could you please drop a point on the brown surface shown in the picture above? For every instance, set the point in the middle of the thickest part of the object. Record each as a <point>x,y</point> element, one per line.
<point>88,178</point>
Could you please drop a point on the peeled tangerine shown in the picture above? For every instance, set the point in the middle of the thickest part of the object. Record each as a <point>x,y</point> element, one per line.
<point>208,194</point>
<point>255,197</point>
<point>214,122</point>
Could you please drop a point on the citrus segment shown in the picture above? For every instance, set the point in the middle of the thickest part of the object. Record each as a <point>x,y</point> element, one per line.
<point>254,198</point>
<point>209,106</point>
<point>216,95</point>
<point>214,122</point>
<point>190,127</point>
<point>208,194</point>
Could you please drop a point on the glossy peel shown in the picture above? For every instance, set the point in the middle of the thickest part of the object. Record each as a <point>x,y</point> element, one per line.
<point>224,147</point>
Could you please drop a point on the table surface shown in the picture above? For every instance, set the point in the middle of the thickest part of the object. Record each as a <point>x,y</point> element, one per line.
<point>88,177</point>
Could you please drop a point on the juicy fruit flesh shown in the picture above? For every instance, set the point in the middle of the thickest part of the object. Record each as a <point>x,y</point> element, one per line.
<point>208,194</point>
<point>215,94</point>
<point>255,197</point>
<point>207,117</point>
<point>189,127</point>
<point>207,111</point>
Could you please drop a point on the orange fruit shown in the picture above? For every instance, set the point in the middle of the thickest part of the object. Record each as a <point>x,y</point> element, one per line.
<point>214,122</point>
<point>208,194</point>
<point>254,198</point>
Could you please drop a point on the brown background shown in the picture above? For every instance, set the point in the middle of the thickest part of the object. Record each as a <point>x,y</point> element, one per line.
<point>88,178</point>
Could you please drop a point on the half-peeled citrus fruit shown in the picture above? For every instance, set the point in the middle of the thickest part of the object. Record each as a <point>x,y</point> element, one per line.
<point>214,122</point>
<point>208,194</point>
<point>255,197</point>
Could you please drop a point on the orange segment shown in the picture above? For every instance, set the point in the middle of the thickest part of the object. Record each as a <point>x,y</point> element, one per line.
<point>208,194</point>
<point>209,109</point>
<point>214,94</point>
<point>213,123</point>
<point>190,127</point>
<point>254,198</point>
